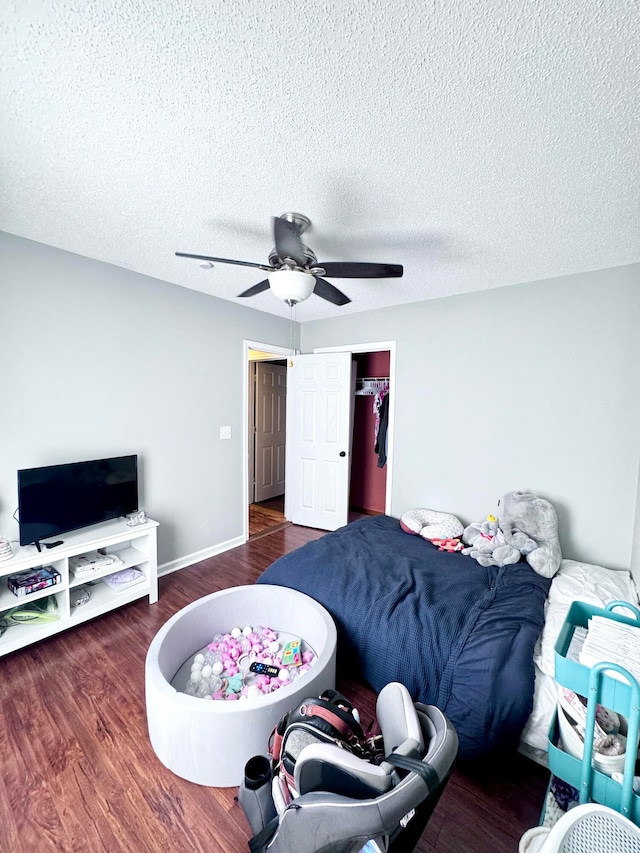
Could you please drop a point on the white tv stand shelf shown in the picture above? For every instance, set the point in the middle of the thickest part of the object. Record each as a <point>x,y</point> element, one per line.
<point>136,546</point>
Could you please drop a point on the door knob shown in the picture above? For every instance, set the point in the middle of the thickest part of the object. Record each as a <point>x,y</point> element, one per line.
<point>342,453</point>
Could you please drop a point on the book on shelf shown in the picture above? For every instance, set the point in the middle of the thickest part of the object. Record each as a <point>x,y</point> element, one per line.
<point>32,580</point>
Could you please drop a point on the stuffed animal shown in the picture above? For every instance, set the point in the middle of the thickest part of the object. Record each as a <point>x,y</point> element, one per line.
<point>482,539</point>
<point>493,545</point>
<point>447,544</point>
<point>537,519</point>
<point>516,545</point>
<point>478,531</point>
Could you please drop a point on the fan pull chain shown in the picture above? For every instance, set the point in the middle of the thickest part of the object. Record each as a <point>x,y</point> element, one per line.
<point>292,311</point>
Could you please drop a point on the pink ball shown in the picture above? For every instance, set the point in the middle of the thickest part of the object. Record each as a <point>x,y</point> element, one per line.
<point>231,696</point>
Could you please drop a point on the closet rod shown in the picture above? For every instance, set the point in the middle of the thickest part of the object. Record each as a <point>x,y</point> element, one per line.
<point>371,385</point>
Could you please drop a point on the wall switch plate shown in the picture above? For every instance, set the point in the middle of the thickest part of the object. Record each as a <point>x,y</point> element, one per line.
<point>225,432</point>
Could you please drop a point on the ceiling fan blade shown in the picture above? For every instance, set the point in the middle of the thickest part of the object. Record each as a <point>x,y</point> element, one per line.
<point>347,269</point>
<point>257,288</point>
<point>224,261</point>
<point>327,291</point>
<point>288,242</point>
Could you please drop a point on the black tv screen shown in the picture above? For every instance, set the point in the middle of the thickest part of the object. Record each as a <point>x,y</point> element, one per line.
<point>59,498</point>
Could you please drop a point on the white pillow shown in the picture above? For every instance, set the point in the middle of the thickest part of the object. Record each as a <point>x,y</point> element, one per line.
<point>578,582</point>
<point>431,524</point>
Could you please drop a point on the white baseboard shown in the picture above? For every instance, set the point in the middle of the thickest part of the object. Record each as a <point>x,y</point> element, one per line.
<point>190,559</point>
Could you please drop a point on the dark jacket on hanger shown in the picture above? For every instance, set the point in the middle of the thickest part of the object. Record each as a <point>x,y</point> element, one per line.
<point>381,443</point>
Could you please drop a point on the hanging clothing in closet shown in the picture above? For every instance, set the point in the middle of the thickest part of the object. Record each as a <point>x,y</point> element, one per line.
<point>381,408</point>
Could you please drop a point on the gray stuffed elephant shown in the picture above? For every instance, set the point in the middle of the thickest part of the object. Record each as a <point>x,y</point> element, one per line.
<point>526,513</point>
<point>492,545</point>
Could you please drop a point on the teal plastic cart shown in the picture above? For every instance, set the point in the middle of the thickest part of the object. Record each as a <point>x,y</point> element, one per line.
<point>619,694</point>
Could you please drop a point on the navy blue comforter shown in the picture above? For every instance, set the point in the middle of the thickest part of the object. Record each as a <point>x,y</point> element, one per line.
<point>457,635</point>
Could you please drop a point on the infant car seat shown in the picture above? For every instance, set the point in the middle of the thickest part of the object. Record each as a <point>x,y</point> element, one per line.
<point>342,802</point>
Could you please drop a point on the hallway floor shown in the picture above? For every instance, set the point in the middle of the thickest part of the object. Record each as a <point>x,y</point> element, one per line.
<point>266,517</point>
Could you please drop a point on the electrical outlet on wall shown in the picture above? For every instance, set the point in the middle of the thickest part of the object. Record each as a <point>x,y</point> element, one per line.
<point>225,432</point>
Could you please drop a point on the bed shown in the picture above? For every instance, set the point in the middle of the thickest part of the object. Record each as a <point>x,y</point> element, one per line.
<point>456,634</point>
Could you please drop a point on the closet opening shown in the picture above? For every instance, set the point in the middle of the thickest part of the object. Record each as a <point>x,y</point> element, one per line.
<point>368,489</point>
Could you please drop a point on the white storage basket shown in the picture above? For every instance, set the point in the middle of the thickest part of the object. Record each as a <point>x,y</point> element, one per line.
<point>574,745</point>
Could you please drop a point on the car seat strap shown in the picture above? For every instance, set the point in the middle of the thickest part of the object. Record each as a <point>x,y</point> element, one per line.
<point>330,717</point>
<point>415,765</point>
<point>261,839</point>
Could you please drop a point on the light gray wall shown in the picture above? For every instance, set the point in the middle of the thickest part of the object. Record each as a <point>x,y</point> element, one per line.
<point>526,387</point>
<point>531,387</point>
<point>99,361</point>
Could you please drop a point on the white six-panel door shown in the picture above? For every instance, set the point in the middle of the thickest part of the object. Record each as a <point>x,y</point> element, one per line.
<point>319,428</point>
<point>270,426</point>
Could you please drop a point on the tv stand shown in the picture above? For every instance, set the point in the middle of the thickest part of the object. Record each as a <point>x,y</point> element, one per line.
<point>135,546</point>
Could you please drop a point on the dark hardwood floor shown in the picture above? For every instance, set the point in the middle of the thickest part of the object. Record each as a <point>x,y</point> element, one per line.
<point>79,774</point>
<point>266,517</point>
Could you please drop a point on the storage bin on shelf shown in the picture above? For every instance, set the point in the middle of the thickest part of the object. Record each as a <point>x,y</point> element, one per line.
<point>598,687</point>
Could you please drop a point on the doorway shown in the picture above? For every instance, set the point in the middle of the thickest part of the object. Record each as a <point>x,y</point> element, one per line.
<point>253,351</point>
<point>368,489</point>
<point>265,398</point>
<point>376,362</point>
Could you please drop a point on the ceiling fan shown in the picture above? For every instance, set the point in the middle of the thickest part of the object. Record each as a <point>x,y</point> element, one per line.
<point>294,271</point>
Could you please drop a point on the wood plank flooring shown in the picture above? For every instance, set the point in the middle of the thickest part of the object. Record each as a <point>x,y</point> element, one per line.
<point>78,774</point>
<point>266,517</point>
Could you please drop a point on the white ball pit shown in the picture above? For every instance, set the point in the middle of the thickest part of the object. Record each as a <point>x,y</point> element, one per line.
<point>209,742</point>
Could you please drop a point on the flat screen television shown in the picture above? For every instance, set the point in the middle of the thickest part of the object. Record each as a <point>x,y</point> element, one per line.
<point>59,498</point>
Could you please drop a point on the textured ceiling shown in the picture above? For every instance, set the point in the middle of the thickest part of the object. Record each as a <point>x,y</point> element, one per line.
<point>480,144</point>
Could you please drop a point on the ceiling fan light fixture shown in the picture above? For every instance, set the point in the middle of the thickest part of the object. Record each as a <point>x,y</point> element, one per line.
<point>292,286</point>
